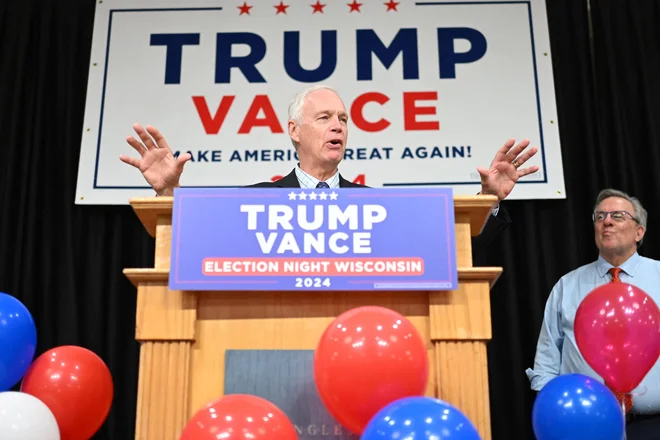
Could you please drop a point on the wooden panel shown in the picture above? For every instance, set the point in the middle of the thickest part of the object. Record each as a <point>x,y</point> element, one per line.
<point>148,209</point>
<point>281,320</point>
<point>163,243</point>
<point>481,273</point>
<point>461,314</point>
<point>147,275</point>
<point>463,240</point>
<point>478,207</point>
<point>462,378</point>
<point>164,314</point>
<point>151,275</point>
<point>163,390</point>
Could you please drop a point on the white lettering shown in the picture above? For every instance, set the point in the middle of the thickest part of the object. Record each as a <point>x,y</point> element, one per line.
<point>306,266</point>
<point>266,245</point>
<point>279,215</point>
<point>226,266</point>
<point>373,214</point>
<point>282,216</point>
<point>362,242</point>
<point>333,243</point>
<point>252,211</point>
<point>288,244</point>
<point>311,218</point>
<point>379,266</point>
<point>317,242</point>
<point>317,221</point>
<point>336,215</point>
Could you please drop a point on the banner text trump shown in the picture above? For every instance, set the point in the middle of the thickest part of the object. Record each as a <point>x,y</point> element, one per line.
<point>328,215</point>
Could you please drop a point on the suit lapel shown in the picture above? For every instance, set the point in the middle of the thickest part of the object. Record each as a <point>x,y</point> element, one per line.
<point>343,183</point>
<point>289,181</point>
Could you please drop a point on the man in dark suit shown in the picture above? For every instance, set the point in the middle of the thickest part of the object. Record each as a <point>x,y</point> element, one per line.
<point>318,128</point>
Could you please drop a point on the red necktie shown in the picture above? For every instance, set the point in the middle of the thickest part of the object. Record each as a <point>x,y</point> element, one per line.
<point>615,271</point>
<point>621,397</point>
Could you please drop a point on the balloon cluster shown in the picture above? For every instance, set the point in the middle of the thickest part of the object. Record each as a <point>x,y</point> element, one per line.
<point>65,394</point>
<point>371,371</point>
<point>617,330</point>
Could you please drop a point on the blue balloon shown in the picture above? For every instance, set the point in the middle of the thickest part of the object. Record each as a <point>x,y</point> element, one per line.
<point>18,341</point>
<point>419,418</point>
<point>575,406</point>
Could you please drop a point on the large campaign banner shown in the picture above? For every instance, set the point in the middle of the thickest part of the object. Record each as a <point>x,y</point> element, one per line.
<point>432,89</point>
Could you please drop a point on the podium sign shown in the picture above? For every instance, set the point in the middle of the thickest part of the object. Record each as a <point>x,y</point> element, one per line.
<point>318,239</point>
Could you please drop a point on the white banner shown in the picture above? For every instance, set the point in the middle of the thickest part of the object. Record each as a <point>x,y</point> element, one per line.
<point>433,89</point>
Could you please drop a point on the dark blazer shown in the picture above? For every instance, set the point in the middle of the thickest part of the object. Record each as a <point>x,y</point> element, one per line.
<point>291,181</point>
<point>494,226</point>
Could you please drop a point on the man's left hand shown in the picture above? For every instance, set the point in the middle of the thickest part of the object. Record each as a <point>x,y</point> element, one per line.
<point>505,169</point>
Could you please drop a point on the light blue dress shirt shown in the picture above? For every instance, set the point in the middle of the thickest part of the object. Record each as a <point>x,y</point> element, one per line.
<point>557,352</point>
<point>308,182</point>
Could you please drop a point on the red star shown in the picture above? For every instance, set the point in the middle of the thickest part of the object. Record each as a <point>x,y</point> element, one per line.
<point>318,7</point>
<point>355,6</point>
<point>281,8</point>
<point>391,5</point>
<point>245,9</point>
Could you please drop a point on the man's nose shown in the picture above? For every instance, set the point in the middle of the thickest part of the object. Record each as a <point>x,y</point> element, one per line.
<point>337,127</point>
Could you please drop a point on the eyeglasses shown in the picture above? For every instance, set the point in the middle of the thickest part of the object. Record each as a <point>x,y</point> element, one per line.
<point>617,216</point>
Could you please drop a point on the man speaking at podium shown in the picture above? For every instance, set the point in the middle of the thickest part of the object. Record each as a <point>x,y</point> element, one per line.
<point>318,127</point>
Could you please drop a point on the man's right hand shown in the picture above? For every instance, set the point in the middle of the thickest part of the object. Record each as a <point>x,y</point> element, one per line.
<point>157,164</point>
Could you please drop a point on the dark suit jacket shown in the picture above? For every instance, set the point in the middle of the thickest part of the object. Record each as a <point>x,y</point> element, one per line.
<point>494,226</point>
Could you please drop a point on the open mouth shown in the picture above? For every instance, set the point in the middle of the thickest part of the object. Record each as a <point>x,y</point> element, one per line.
<point>335,143</point>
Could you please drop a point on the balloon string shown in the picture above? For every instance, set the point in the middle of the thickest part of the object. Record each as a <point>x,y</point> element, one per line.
<point>640,393</point>
<point>621,397</point>
<point>625,434</point>
<point>626,399</point>
<point>623,408</point>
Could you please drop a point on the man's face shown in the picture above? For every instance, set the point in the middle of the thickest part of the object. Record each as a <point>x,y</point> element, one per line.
<point>323,133</point>
<point>617,236</point>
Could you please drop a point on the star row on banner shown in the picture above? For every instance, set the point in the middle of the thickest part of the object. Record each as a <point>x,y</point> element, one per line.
<point>317,7</point>
<point>302,195</point>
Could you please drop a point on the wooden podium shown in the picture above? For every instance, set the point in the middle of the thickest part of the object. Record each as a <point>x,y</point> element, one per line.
<point>183,335</point>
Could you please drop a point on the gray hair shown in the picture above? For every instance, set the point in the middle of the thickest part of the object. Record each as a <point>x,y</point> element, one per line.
<point>298,101</point>
<point>639,213</point>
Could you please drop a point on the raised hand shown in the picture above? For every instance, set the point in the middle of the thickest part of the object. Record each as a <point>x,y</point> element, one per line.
<point>157,163</point>
<point>505,169</point>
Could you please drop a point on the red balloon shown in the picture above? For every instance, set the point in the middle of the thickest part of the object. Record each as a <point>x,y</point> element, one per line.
<point>239,416</point>
<point>617,330</point>
<point>77,387</point>
<point>367,358</point>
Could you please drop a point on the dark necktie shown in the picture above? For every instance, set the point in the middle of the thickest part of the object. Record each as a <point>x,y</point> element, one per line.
<point>322,185</point>
<point>623,398</point>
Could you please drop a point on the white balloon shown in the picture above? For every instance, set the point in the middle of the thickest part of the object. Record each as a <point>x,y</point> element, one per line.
<point>24,417</point>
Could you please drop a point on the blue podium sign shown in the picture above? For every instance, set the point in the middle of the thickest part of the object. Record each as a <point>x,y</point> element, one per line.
<point>318,239</point>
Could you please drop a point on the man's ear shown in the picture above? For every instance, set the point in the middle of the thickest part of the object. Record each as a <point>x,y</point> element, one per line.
<point>640,233</point>
<point>294,131</point>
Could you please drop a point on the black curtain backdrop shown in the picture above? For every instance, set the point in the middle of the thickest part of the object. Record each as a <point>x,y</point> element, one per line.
<point>65,261</point>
